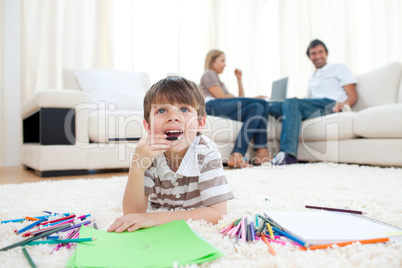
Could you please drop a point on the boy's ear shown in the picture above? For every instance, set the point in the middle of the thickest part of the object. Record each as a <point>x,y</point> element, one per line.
<point>147,126</point>
<point>201,123</point>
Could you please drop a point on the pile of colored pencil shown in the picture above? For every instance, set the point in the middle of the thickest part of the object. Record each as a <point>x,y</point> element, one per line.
<point>51,228</point>
<point>244,229</point>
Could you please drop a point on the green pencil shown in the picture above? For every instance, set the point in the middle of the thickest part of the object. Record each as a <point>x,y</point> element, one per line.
<point>28,258</point>
<point>61,241</point>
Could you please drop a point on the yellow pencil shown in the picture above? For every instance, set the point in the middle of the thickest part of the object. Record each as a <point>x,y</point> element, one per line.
<point>271,234</point>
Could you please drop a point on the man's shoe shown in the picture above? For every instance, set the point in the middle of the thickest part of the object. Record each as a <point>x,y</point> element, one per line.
<point>283,158</point>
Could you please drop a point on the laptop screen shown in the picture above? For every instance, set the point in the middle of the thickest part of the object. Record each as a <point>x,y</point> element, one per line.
<point>279,89</point>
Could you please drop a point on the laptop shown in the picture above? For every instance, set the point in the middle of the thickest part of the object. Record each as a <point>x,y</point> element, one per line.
<point>279,89</point>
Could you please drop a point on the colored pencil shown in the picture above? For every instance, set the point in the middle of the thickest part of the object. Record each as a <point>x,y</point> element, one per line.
<point>74,236</point>
<point>34,233</point>
<point>270,248</point>
<point>236,229</point>
<point>95,226</point>
<point>38,231</point>
<point>369,241</point>
<point>83,217</point>
<point>39,217</point>
<point>291,237</point>
<point>69,235</point>
<point>31,218</point>
<point>77,225</point>
<point>24,250</point>
<point>60,219</point>
<point>61,241</point>
<point>271,234</point>
<point>252,230</point>
<point>26,228</point>
<point>26,241</point>
<point>138,138</point>
<point>273,222</point>
<point>337,209</point>
<point>243,229</point>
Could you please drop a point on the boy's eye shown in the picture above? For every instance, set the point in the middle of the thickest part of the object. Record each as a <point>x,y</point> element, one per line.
<point>184,109</point>
<point>160,111</point>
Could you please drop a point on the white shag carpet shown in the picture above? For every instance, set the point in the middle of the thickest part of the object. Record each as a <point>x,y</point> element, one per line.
<point>377,191</point>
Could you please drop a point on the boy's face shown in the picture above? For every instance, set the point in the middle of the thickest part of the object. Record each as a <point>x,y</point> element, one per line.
<point>175,120</point>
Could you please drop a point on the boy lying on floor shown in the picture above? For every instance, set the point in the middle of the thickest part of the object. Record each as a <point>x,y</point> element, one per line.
<point>184,173</point>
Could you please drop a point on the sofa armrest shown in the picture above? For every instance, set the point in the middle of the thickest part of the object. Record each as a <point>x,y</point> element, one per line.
<point>76,101</point>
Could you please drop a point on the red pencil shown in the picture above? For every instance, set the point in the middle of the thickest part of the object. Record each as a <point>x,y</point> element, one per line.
<point>60,219</point>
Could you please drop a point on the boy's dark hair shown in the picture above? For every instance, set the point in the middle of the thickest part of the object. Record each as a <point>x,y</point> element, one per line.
<point>314,44</point>
<point>175,89</point>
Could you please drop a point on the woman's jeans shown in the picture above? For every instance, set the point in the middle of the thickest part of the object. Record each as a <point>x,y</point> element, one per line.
<point>292,112</point>
<point>252,112</point>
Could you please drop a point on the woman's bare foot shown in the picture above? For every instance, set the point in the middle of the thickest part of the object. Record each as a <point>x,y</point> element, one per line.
<point>262,156</point>
<point>237,160</point>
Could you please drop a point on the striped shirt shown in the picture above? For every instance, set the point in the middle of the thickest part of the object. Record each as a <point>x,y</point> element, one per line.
<point>198,182</point>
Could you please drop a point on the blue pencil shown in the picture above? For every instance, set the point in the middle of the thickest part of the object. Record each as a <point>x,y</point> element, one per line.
<point>29,226</point>
<point>304,244</point>
<point>38,217</point>
<point>252,231</point>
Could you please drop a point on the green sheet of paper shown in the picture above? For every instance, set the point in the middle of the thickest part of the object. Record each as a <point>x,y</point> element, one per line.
<point>159,246</point>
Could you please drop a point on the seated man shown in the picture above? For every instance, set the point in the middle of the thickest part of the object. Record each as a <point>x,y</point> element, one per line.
<point>331,88</point>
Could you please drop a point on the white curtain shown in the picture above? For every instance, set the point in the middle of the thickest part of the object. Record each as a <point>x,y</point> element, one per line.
<point>63,34</point>
<point>267,39</point>
<point>3,104</point>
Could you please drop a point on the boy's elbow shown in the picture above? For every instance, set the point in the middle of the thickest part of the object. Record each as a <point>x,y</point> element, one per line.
<point>220,210</point>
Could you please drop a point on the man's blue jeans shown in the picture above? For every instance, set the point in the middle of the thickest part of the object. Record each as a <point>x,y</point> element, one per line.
<point>252,112</point>
<point>293,112</point>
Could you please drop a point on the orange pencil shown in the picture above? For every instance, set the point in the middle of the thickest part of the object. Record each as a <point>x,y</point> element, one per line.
<point>270,248</point>
<point>31,219</point>
<point>370,241</point>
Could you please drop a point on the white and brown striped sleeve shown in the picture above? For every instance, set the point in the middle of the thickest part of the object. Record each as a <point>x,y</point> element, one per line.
<point>213,185</point>
<point>149,179</point>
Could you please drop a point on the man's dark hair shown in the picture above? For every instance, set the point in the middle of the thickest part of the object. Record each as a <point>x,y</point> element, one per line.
<point>314,44</point>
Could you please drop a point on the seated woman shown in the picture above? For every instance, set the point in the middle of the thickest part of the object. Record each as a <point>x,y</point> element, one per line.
<point>253,112</point>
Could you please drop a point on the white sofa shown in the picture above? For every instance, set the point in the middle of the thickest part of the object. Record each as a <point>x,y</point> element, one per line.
<point>64,134</point>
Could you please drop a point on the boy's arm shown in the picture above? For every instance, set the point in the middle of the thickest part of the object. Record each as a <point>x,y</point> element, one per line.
<point>137,221</point>
<point>135,200</point>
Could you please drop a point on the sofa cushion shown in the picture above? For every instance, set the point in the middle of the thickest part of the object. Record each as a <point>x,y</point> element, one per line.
<point>379,122</point>
<point>119,124</point>
<point>378,87</point>
<point>122,89</point>
<point>71,82</point>
<point>336,126</point>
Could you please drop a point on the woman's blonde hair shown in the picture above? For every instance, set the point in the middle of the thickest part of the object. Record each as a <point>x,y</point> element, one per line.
<point>211,57</point>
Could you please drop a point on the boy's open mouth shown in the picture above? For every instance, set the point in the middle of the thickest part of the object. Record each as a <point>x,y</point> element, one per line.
<point>174,133</point>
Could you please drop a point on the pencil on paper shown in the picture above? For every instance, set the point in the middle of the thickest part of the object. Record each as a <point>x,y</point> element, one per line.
<point>369,241</point>
<point>337,209</point>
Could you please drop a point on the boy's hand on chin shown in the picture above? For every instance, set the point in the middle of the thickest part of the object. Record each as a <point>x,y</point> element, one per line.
<point>133,222</point>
